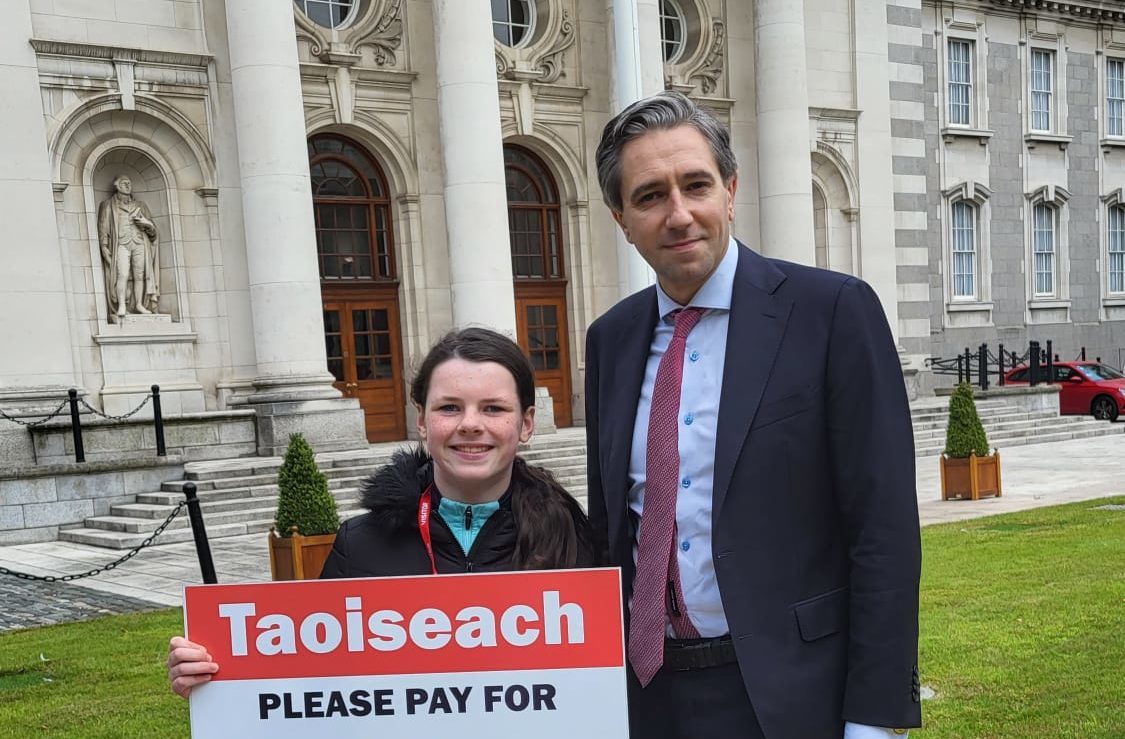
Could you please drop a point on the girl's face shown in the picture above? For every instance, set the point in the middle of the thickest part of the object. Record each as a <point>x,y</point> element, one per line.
<point>472,426</point>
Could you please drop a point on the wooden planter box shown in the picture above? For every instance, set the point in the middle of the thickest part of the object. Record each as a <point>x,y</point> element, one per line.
<point>298,557</point>
<point>970,478</point>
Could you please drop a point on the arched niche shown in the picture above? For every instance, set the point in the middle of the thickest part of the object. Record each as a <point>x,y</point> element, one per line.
<point>833,213</point>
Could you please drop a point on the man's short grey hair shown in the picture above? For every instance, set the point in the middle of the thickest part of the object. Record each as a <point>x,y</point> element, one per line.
<point>663,111</point>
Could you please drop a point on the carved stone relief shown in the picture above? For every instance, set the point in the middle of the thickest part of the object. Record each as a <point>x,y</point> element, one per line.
<point>701,69</point>
<point>376,30</point>
<point>542,60</point>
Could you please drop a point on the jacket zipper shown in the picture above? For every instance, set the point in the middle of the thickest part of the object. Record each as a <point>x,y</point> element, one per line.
<point>468,528</point>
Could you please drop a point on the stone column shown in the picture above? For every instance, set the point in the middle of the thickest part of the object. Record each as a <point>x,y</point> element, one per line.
<point>294,390</point>
<point>36,363</point>
<point>784,169</point>
<point>476,200</point>
<point>877,258</point>
<point>638,71</point>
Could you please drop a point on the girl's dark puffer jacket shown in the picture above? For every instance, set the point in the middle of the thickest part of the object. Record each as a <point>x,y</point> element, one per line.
<point>385,541</point>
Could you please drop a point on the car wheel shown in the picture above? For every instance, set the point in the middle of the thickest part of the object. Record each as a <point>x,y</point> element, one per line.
<point>1104,408</point>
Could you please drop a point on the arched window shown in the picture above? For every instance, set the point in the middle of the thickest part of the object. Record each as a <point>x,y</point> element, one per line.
<point>327,13</point>
<point>354,237</point>
<point>673,30</point>
<point>963,237</point>
<point>1043,249</point>
<point>533,216</point>
<point>512,20</point>
<point>1117,249</point>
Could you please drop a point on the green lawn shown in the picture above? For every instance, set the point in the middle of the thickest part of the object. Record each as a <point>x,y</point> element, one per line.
<point>1023,625</point>
<point>1023,637</point>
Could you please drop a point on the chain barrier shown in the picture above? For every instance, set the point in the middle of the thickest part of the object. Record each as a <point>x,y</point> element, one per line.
<point>125,417</point>
<point>40,422</point>
<point>105,568</point>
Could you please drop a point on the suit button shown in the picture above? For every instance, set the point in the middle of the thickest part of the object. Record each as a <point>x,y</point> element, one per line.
<point>694,356</point>
<point>689,419</point>
<point>685,483</point>
<point>685,545</point>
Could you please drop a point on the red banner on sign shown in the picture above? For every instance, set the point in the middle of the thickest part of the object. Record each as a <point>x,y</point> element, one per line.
<point>410,625</point>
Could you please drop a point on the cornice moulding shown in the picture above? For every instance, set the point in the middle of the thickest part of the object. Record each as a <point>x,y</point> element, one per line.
<point>119,53</point>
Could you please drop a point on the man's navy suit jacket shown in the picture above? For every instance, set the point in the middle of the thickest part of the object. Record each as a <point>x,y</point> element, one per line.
<point>815,533</point>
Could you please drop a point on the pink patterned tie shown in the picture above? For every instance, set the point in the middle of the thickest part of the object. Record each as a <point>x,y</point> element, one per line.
<point>657,596</point>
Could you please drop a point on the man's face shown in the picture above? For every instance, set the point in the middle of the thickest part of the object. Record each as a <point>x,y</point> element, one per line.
<point>677,210</point>
<point>124,185</point>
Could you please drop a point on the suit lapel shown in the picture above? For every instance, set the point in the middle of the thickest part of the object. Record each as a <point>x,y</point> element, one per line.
<point>758,318</point>
<point>632,338</point>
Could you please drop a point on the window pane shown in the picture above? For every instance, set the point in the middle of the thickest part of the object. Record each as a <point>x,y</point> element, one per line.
<point>328,13</point>
<point>1117,249</point>
<point>960,82</point>
<point>1115,97</point>
<point>1042,68</point>
<point>672,25</point>
<point>1043,246</point>
<point>963,238</point>
<point>336,367</point>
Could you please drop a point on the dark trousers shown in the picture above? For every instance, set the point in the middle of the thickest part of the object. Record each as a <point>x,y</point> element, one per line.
<point>709,703</point>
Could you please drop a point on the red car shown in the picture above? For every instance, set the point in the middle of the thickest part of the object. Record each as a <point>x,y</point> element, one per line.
<point>1087,387</point>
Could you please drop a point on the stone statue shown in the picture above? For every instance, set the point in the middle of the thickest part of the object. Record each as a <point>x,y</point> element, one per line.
<point>130,252</point>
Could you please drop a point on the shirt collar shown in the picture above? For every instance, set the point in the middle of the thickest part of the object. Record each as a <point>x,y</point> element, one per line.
<point>715,293</point>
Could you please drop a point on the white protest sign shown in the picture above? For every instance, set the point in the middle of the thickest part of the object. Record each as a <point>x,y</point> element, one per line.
<point>522,654</point>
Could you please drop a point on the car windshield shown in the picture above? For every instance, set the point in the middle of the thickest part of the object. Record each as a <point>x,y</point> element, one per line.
<point>1100,372</point>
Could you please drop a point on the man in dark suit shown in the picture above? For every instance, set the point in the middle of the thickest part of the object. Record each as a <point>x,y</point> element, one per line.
<point>751,464</point>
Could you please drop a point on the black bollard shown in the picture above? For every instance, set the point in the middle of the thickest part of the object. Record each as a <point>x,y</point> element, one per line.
<point>202,546</point>
<point>76,426</point>
<point>1050,362</point>
<point>1001,376</point>
<point>158,419</point>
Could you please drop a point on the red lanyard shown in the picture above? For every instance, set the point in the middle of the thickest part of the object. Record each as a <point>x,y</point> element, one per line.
<point>424,505</point>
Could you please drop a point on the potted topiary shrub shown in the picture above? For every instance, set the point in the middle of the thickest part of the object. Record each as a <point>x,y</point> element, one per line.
<point>967,468</point>
<point>306,521</point>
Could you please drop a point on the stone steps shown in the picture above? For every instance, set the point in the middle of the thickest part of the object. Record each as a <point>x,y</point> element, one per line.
<point>1061,428</point>
<point>239,496</point>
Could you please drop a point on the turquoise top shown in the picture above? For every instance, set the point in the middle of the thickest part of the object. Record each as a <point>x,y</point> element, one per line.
<point>465,520</point>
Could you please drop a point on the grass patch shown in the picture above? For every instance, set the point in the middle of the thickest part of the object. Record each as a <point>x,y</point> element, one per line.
<point>1023,619</point>
<point>99,678</point>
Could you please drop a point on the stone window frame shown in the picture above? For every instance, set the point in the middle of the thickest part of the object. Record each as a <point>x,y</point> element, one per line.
<point>973,33</point>
<point>699,67</point>
<point>540,56</point>
<point>1114,201</point>
<point>1057,198</point>
<point>1054,44</point>
<point>1108,51</point>
<point>978,196</point>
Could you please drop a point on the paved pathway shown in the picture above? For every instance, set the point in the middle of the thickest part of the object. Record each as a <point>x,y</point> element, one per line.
<point>1038,475</point>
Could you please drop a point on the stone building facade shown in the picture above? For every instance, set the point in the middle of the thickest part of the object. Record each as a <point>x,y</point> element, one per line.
<point>335,183</point>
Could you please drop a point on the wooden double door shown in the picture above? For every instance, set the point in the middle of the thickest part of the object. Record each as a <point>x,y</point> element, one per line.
<point>362,337</point>
<point>543,334</point>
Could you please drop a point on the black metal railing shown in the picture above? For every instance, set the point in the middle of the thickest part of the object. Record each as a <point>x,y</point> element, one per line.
<point>73,401</point>
<point>979,366</point>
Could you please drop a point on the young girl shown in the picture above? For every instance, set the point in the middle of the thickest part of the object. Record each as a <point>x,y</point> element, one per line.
<point>475,395</point>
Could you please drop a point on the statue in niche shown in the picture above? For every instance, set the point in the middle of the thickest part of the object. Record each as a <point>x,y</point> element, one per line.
<point>130,252</point>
